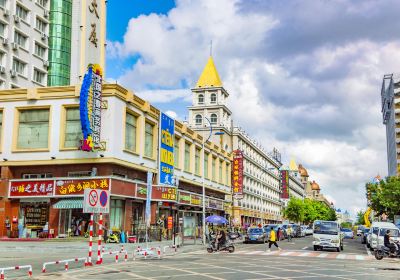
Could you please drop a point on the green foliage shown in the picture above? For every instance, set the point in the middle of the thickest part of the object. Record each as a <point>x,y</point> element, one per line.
<point>360,218</point>
<point>385,196</point>
<point>308,211</point>
<point>346,225</point>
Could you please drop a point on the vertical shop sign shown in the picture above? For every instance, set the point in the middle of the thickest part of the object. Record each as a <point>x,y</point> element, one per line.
<point>90,108</point>
<point>284,184</point>
<point>148,197</point>
<point>166,154</point>
<point>237,174</point>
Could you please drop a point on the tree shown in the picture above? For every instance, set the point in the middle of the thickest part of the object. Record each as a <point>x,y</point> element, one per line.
<point>295,210</point>
<point>360,218</point>
<point>346,225</point>
<point>384,197</point>
<point>310,211</point>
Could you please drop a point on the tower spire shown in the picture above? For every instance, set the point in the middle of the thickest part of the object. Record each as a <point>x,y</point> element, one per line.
<point>211,48</point>
<point>209,77</point>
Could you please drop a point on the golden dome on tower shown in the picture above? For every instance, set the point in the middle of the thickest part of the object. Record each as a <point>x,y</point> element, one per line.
<point>303,171</point>
<point>315,186</point>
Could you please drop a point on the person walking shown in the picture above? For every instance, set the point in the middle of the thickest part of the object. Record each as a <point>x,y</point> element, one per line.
<point>289,232</point>
<point>280,234</point>
<point>272,240</point>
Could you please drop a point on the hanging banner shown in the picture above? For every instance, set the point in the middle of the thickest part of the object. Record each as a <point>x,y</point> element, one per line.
<point>148,197</point>
<point>284,184</point>
<point>90,108</point>
<point>166,154</point>
<point>237,174</point>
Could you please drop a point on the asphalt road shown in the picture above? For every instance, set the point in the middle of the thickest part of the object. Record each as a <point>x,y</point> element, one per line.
<point>297,260</point>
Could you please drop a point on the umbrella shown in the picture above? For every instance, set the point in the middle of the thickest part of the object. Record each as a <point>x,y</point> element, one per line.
<point>215,219</point>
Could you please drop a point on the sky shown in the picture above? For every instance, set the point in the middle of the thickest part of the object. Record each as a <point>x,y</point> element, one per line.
<point>307,73</point>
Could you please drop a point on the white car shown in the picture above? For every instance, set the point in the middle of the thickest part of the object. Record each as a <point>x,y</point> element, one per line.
<point>378,232</point>
<point>327,235</point>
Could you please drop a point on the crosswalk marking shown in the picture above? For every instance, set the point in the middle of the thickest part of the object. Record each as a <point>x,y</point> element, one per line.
<point>341,256</point>
<point>322,255</point>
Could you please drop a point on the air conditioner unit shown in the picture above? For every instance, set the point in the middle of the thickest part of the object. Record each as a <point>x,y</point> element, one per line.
<point>17,18</point>
<point>46,13</point>
<point>44,36</point>
<point>14,46</point>
<point>7,13</point>
<point>2,69</point>
<point>45,63</point>
<point>5,41</point>
<point>13,73</point>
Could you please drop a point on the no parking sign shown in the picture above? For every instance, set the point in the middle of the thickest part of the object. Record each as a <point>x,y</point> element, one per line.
<point>96,201</point>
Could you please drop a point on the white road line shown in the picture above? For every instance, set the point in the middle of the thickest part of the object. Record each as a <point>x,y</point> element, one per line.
<point>305,248</point>
<point>323,255</point>
<point>359,257</point>
<point>341,256</point>
<point>304,254</point>
<point>286,253</point>
<point>253,252</point>
<point>368,251</point>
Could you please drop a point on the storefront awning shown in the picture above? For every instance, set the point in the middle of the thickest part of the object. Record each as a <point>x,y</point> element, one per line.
<point>75,203</point>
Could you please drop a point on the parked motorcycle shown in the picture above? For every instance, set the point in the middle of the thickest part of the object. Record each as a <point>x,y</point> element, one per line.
<point>384,252</point>
<point>228,246</point>
<point>235,235</point>
<point>113,238</point>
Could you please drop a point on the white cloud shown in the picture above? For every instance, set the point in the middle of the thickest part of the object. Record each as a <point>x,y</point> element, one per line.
<point>315,96</point>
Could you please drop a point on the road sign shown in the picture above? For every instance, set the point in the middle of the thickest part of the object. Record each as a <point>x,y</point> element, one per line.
<point>96,201</point>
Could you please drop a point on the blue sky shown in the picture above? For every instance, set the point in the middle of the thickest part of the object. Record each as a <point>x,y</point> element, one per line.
<point>304,76</point>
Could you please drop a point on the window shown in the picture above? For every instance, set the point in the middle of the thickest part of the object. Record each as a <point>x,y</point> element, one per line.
<point>116,214</point>
<point>41,25</point>
<point>148,143</point>
<point>2,55</point>
<point>38,175</point>
<point>2,28</point>
<point>40,50</point>
<point>20,39</point>
<point>220,172</point>
<point>213,98</point>
<point>198,120</point>
<point>187,157</point>
<point>214,118</point>
<point>42,3</point>
<point>3,3</point>
<point>176,152</point>
<point>73,130</point>
<point>80,174</point>
<point>197,162</point>
<point>201,99</point>
<point>33,129</point>
<point>38,76</point>
<point>22,12</point>
<point>206,166</point>
<point>213,168</point>
<point>226,174</point>
<point>130,132</point>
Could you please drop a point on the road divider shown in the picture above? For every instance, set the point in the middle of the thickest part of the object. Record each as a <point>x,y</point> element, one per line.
<point>116,253</point>
<point>65,262</point>
<point>154,252</point>
<point>29,267</point>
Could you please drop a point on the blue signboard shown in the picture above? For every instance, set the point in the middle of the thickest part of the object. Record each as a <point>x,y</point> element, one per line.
<point>166,157</point>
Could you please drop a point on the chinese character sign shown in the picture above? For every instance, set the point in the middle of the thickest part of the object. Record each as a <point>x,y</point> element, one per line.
<point>285,184</point>
<point>164,193</point>
<point>237,174</point>
<point>90,108</point>
<point>166,162</point>
<point>31,188</point>
<point>78,186</point>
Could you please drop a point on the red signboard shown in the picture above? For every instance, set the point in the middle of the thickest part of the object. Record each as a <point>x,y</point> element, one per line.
<point>237,174</point>
<point>169,222</point>
<point>285,184</point>
<point>77,186</point>
<point>31,188</point>
<point>164,193</point>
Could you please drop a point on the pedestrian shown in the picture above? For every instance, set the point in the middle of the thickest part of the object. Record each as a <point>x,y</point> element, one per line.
<point>272,240</point>
<point>289,233</point>
<point>279,234</point>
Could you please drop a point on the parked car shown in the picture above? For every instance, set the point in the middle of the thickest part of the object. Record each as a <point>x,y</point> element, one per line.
<point>255,235</point>
<point>379,230</point>
<point>372,232</point>
<point>303,231</point>
<point>347,233</point>
<point>360,230</point>
<point>364,234</point>
<point>267,228</point>
<point>309,231</point>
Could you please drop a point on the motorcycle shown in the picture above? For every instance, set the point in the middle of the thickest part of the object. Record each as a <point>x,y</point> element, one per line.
<point>228,246</point>
<point>235,235</point>
<point>384,251</point>
<point>113,238</point>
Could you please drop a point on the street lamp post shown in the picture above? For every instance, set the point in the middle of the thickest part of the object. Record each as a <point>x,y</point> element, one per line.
<point>203,183</point>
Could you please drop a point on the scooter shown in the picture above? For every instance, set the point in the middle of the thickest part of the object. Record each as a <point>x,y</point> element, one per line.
<point>234,235</point>
<point>228,246</point>
<point>384,252</point>
<point>113,238</point>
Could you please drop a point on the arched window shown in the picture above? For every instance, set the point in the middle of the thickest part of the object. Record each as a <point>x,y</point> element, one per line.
<point>201,99</point>
<point>213,98</point>
<point>198,120</point>
<point>214,118</point>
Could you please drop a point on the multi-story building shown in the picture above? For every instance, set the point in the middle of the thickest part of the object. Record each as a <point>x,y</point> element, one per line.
<point>312,189</point>
<point>50,42</point>
<point>44,172</point>
<point>24,29</point>
<point>296,186</point>
<point>390,98</point>
<point>210,116</point>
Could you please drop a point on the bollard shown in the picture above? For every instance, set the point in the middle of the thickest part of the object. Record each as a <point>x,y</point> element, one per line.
<point>159,253</point>
<point>66,266</point>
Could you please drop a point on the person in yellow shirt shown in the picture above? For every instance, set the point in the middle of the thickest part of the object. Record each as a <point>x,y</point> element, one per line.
<point>272,240</point>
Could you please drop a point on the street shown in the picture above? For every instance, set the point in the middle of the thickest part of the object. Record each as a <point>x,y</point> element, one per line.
<point>297,260</point>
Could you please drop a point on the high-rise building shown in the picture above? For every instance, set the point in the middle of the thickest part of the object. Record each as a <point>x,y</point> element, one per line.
<point>210,115</point>
<point>24,28</point>
<point>77,38</point>
<point>390,97</point>
<point>50,42</point>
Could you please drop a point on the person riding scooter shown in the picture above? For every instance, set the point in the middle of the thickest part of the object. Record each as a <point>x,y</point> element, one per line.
<point>221,239</point>
<point>387,242</point>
